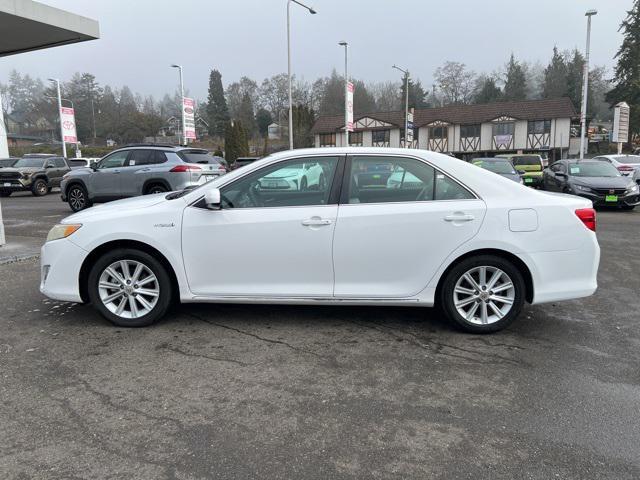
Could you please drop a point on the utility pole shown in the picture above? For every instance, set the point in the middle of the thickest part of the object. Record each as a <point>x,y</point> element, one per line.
<point>406,104</point>
<point>346,94</point>
<point>184,133</point>
<point>585,85</point>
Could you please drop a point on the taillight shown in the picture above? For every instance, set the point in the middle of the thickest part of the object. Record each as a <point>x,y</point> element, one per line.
<point>625,168</point>
<point>185,168</point>
<point>588,217</point>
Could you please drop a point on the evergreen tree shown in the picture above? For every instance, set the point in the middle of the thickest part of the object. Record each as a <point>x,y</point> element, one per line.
<point>488,91</point>
<point>246,115</point>
<point>555,77</point>
<point>263,120</point>
<point>217,110</point>
<point>515,86</point>
<point>363,100</point>
<point>575,71</point>
<point>627,71</point>
<point>303,119</point>
<point>230,144</point>
<point>417,95</point>
<point>242,141</point>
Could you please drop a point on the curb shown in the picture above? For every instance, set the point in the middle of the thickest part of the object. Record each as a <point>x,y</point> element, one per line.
<point>18,258</point>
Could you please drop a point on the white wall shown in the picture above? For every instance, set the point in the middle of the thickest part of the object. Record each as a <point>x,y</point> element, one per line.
<point>520,135</point>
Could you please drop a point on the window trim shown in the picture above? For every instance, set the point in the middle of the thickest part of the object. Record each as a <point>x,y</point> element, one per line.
<point>332,134</point>
<point>344,194</point>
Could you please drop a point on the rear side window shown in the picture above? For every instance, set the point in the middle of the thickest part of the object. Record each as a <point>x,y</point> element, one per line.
<point>140,157</point>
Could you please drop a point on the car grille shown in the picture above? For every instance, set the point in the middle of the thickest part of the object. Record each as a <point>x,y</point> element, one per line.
<point>10,175</point>
<point>610,191</point>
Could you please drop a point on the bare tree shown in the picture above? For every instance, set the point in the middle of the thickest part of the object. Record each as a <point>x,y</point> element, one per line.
<point>456,83</point>
<point>385,95</point>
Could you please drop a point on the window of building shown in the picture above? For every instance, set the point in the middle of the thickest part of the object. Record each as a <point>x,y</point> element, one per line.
<point>327,139</point>
<point>355,139</point>
<point>292,183</point>
<point>438,132</point>
<point>399,179</point>
<point>467,131</point>
<point>503,128</point>
<point>380,136</point>
<point>539,126</point>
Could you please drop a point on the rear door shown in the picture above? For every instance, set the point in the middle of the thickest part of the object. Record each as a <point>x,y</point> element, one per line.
<point>136,170</point>
<point>390,239</point>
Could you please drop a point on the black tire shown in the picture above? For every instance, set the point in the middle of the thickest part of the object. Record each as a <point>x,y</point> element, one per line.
<point>163,282</point>
<point>39,188</point>
<point>78,198</point>
<point>447,297</point>
<point>5,193</point>
<point>156,189</point>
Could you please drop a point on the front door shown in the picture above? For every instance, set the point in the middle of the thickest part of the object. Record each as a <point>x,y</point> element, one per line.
<point>105,182</point>
<point>391,239</point>
<point>272,237</point>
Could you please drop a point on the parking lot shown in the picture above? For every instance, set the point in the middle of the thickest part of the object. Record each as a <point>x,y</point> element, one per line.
<point>225,391</point>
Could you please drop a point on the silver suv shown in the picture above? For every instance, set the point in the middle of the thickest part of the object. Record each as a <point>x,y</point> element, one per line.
<point>138,170</point>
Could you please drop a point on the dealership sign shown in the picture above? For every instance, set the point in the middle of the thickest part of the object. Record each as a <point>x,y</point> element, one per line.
<point>621,123</point>
<point>189,117</point>
<point>350,89</point>
<point>68,122</point>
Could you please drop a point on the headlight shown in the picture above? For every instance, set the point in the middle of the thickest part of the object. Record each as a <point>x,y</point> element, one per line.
<point>582,188</point>
<point>62,231</point>
<point>26,174</point>
<point>633,189</point>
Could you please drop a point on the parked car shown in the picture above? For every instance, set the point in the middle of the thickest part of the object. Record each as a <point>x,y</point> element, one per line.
<point>132,171</point>
<point>198,155</point>
<point>476,244</point>
<point>628,165</point>
<point>81,162</point>
<point>310,177</point>
<point>598,181</point>
<point>35,173</point>
<point>531,164</point>
<point>8,162</point>
<point>501,166</point>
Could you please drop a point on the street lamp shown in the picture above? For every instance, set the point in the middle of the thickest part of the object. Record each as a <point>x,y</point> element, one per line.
<point>585,84</point>
<point>406,104</point>
<point>312,12</point>
<point>184,138</point>
<point>346,93</point>
<point>64,147</point>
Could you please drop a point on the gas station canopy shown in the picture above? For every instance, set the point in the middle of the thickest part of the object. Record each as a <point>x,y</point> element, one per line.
<point>26,25</point>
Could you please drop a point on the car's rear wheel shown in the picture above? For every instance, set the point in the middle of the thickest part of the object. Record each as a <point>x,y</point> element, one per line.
<point>130,288</point>
<point>5,193</point>
<point>483,294</point>
<point>78,198</point>
<point>39,188</point>
<point>156,189</point>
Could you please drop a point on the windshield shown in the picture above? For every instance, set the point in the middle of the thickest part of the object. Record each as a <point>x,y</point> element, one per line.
<point>496,166</point>
<point>628,158</point>
<point>6,162</point>
<point>593,169</point>
<point>29,162</point>
<point>529,160</point>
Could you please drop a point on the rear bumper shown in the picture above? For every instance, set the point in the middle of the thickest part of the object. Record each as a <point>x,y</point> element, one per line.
<point>60,263</point>
<point>532,180</point>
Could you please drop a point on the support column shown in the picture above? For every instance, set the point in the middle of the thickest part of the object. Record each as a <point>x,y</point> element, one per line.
<point>4,152</point>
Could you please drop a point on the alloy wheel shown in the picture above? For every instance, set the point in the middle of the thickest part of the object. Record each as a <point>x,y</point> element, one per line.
<point>42,188</point>
<point>77,199</point>
<point>128,289</point>
<point>484,295</point>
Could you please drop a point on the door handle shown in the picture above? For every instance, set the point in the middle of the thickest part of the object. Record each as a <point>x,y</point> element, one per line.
<point>145,170</point>
<point>116,171</point>
<point>316,221</point>
<point>459,217</point>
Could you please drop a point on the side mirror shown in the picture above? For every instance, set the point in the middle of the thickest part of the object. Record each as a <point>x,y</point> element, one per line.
<point>212,199</point>
<point>48,165</point>
<point>521,172</point>
<point>561,175</point>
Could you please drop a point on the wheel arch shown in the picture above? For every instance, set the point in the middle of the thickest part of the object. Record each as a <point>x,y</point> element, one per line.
<point>105,247</point>
<point>155,181</point>
<point>72,182</point>
<point>517,262</point>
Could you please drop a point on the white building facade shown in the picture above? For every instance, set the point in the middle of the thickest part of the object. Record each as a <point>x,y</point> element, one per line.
<point>465,131</point>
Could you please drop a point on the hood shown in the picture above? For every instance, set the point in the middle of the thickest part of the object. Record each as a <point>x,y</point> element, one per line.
<point>119,207</point>
<point>21,170</point>
<point>602,182</point>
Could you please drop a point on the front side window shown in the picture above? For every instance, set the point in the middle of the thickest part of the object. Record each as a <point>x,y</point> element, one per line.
<point>399,179</point>
<point>291,183</point>
<point>60,163</point>
<point>115,160</point>
<point>327,139</point>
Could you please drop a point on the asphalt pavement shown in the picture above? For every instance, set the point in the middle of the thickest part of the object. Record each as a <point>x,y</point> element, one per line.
<point>233,391</point>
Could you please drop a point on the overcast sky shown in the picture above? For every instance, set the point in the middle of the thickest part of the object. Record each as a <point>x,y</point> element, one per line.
<point>140,38</point>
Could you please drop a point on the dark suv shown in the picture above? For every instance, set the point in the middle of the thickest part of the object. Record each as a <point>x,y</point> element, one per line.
<point>35,173</point>
<point>138,170</point>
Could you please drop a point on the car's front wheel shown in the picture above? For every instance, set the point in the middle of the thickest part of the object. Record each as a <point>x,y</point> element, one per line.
<point>39,188</point>
<point>130,288</point>
<point>483,294</point>
<point>78,198</point>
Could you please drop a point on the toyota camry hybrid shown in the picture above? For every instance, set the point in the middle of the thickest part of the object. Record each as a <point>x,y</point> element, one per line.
<point>474,243</point>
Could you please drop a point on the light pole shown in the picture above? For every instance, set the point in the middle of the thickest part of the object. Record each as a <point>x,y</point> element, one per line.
<point>312,12</point>
<point>184,138</point>
<point>406,104</point>
<point>346,93</point>
<point>585,84</point>
<point>64,147</point>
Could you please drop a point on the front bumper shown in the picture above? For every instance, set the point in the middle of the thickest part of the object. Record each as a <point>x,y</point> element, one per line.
<point>15,185</point>
<point>599,200</point>
<point>60,263</point>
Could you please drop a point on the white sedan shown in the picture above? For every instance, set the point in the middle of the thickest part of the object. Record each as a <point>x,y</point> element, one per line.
<point>477,244</point>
